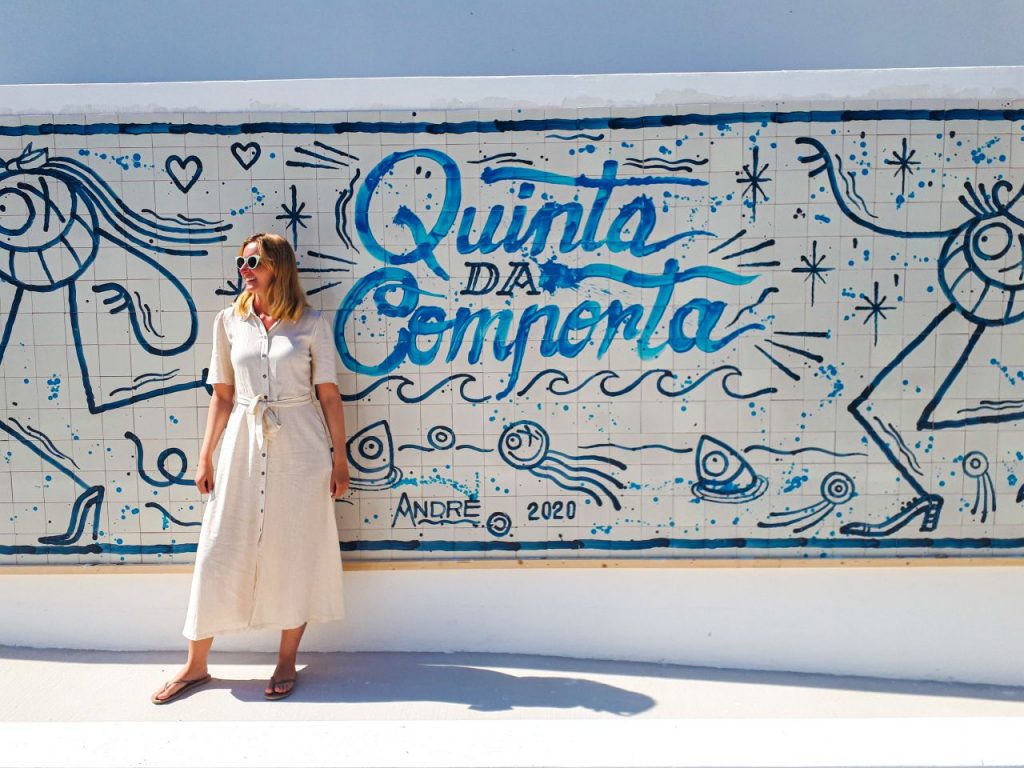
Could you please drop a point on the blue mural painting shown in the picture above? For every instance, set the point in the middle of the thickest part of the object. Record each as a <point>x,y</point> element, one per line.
<point>631,334</point>
<point>723,475</point>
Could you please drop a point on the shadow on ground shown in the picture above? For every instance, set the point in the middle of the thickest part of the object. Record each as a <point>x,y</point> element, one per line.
<point>486,682</point>
<point>390,678</point>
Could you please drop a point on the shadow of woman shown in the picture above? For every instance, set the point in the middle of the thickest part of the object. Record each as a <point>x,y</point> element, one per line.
<point>381,678</point>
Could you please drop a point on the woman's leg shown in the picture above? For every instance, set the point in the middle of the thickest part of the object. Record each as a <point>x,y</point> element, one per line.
<point>290,639</point>
<point>195,666</point>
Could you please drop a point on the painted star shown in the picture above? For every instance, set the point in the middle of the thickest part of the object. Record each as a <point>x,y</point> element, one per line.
<point>754,180</point>
<point>294,216</point>
<point>873,309</point>
<point>232,288</point>
<point>813,269</point>
<point>903,160</point>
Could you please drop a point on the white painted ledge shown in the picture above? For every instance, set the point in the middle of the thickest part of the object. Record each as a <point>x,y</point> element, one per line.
<point>521,92</point>
<point>933,623</point>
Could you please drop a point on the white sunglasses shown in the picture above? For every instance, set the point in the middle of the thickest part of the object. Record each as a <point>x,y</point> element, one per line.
<point>251,262</point>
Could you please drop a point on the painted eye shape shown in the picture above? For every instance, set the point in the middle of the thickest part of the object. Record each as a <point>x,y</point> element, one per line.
<point>992,241</point>
<point>16,212</point>
<point>441,437</point>
<point>837,488</point>
<point>714,464</point>
<point>975,464</point>
<point>371,448</point>
<point>371,454</point>
<point>523,444</point>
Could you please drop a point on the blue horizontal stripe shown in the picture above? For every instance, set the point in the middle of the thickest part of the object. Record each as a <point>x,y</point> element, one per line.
<point>594,545</point>
<point>606,545</point>
<point>503,126</point>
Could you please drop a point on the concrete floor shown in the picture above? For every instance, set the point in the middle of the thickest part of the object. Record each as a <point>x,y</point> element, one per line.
<point>79,708</point>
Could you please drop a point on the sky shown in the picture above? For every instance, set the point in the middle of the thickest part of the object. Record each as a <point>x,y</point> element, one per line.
<point>70,41</point>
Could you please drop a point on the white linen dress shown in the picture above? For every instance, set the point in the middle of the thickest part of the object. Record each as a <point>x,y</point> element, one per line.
<point>268,554</point>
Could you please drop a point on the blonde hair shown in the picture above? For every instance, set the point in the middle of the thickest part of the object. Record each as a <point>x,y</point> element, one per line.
<point>285,297</point>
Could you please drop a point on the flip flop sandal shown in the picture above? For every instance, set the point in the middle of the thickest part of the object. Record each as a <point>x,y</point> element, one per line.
<point>275,696</point>
<point>188,686</point>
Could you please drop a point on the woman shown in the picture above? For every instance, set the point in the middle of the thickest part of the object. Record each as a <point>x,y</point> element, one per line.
<point>268,553</point>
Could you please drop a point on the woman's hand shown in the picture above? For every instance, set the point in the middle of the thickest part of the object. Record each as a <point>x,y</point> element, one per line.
<point>339,480</point>
<point>330,403</point>
<point>204,476</point>
<point>216,418</point>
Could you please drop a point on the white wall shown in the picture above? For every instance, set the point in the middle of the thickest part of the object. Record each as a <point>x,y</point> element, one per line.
<point>920,622</point>
<point>578,91</point>
<point>936,623</point>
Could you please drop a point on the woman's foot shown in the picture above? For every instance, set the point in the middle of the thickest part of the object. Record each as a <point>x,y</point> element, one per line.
<point>282,681</point>
<point>187,677</point>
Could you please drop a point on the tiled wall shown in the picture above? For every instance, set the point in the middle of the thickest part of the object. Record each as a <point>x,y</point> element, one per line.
<point>782,330</point>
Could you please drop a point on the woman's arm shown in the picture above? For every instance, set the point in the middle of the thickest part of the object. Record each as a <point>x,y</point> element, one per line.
<point>216,419</point>
<point>330,402</point>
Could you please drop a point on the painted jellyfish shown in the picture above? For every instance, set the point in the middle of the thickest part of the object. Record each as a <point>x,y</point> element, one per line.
<point>981,276</point>
<point>526,445</point>
<point>837,488</point>
<point>976,467</point>
<point>371,453</point>
<point>724,476</point>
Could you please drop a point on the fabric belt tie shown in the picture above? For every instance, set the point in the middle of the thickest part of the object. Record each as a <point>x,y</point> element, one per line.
<point>262,413</point>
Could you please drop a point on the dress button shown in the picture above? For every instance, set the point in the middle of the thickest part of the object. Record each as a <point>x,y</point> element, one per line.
<point>263,455</point>
<point>264,375</point>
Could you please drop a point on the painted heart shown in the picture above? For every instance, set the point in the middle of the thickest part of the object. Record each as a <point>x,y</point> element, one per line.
<point>246,154</point>
<point>184,172</point>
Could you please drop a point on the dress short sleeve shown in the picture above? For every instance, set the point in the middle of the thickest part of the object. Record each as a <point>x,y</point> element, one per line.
<point>221,371</point>
<point>323,354</point>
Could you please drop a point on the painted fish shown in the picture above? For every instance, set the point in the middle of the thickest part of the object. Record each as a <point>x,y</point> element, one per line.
<point>724,476</point>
